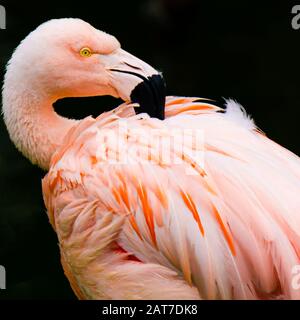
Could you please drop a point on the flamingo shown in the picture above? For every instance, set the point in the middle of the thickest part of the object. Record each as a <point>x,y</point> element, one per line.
<point>214,216</point>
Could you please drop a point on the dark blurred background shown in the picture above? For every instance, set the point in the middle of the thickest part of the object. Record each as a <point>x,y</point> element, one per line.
<point>246,50</point>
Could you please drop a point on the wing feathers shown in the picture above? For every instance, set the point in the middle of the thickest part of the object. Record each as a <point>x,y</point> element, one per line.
<point>231,228</point>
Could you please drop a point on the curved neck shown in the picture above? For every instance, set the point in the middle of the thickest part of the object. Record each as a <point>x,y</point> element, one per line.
<point>33,125</point>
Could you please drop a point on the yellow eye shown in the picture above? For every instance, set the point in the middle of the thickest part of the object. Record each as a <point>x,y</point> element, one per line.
<point>85,52</point>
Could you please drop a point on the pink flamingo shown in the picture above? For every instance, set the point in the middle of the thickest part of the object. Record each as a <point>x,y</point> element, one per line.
<point>227,227</point>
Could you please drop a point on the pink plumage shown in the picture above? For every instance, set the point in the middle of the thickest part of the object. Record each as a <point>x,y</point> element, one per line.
<point>214,218</point>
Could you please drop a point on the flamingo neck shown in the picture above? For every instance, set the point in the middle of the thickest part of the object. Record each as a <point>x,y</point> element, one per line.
<point>33,125</point>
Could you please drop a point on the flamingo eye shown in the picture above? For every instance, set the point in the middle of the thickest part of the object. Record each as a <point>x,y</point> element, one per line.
<point>85,52</point>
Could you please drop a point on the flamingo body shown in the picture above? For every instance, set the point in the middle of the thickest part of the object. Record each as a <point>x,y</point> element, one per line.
<point>230,231</point>
<point>200,205</point>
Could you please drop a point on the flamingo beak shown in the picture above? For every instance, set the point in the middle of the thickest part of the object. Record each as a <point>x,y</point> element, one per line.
<point>137,82</point>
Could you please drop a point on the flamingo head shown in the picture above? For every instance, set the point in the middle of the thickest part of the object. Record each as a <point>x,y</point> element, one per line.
<point>70,58</point>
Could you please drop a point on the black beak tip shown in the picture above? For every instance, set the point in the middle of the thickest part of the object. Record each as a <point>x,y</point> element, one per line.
<point>151,96</point>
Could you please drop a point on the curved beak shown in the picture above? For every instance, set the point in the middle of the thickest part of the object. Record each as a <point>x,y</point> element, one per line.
<point>136,81</point>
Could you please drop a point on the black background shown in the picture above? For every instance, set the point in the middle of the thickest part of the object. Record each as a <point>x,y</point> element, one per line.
<point>246,50</point>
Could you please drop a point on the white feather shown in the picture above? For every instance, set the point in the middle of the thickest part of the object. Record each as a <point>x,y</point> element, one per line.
<point>237,113</point>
